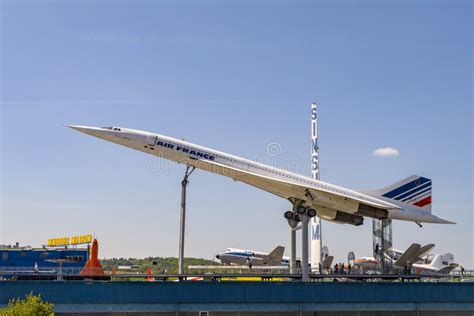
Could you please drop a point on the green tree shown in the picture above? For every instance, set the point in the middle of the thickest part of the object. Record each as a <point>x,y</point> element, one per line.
<point>170,264</point>
<point>31,305</point>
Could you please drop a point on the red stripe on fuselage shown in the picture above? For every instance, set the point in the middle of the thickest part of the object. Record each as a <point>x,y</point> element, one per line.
<point>423,202</point>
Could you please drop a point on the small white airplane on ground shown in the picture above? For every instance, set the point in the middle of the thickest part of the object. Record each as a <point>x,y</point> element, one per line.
<point>408,200</point>
<point>239,257</point>
<point>253,258</point>
<point>439,265</point>
<point>410,259</point>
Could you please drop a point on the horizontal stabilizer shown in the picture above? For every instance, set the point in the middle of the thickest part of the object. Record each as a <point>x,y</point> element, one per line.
<point>448,269</point>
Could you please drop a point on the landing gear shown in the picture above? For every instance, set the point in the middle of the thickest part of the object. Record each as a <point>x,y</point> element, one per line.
<point>301,210</point>
<point>296,215</point>
<point>303,214</point>
<point>248,263</point>
<point>289,215</point>
<point>311,212</point>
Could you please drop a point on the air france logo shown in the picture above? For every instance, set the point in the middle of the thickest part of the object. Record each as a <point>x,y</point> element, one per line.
<point>196,153</point>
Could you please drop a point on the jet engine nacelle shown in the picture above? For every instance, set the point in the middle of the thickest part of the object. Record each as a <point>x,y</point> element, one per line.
<point>340,217</point>
<point>347,218</point>
<point>370,211</point>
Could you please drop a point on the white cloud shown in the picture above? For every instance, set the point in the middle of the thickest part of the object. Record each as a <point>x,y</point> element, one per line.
<point>386,152</point>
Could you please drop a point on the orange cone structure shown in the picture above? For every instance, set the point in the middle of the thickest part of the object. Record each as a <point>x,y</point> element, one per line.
<point>150,279</point>
<point>93,266</point>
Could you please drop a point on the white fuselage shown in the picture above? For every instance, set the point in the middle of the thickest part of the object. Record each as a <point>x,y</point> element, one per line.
<point>246,257</point>
<point>373,264</point>
<point>329,200</point>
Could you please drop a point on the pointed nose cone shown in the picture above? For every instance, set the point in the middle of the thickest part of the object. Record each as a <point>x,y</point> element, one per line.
<point>82,129</point>
<point>93,131</point>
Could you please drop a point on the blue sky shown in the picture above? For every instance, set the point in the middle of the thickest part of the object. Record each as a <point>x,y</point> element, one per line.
<point>235,77</point>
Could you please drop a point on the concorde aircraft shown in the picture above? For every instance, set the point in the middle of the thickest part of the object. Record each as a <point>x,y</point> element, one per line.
<point>408,200</point>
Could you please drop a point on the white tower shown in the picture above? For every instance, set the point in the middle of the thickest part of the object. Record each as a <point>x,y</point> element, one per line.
<point>316,231</point>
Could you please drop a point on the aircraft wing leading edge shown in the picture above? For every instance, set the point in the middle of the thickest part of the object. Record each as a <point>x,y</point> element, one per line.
<point>410,255</point>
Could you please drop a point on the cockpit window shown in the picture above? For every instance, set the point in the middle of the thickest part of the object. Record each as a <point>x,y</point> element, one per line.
<point>112,128</point>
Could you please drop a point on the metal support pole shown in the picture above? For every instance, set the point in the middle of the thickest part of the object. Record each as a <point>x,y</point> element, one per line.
<point>292,223</point>
<point>60,272</point>
<point>304,251</point>
<point>182,219</point>
<point>382,241</point>
<point>382,248</point>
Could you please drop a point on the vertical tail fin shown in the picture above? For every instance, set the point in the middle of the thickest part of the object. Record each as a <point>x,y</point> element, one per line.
<point>414,190</point>
<point>438,262</point>
<point>277,253</point>
<point>326,259</point>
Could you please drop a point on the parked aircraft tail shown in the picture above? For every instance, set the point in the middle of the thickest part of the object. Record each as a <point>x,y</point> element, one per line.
<point>326,258</point>
<point>276,254</point>
<point>438,262</point>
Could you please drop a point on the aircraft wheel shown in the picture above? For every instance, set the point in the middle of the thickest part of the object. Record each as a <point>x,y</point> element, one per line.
<point>301,210</point>
<point>311,212</point>
<point>297,218</point>
<point>288,215</point>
